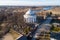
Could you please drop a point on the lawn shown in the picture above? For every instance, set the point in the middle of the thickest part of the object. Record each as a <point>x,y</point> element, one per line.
<point>14,34</point>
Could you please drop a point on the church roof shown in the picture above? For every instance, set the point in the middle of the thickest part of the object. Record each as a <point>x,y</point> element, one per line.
<point>30,12</point>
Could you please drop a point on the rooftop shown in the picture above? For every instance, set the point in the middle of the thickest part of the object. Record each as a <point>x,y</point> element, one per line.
<point>30,12</point>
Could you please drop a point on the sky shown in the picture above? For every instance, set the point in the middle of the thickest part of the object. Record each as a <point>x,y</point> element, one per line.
<point>29,2</point>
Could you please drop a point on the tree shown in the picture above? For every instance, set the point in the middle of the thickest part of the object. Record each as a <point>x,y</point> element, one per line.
<point>52,27</point>
<point>50,13</point>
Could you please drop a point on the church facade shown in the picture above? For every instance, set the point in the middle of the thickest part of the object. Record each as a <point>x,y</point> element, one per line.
<point>30,16</point>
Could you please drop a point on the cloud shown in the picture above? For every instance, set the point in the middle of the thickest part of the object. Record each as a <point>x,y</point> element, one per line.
<point>29,2</point>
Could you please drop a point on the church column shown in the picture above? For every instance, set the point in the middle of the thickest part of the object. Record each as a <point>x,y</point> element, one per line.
<point>26,19</point>
<point>33,20</point>
<point>30,20</point>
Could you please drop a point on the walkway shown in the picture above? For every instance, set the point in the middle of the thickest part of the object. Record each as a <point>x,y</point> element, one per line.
<point>8,37</point>
<point>42,27</point>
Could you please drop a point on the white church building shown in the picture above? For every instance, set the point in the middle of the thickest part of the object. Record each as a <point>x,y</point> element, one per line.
<point>30,16</point>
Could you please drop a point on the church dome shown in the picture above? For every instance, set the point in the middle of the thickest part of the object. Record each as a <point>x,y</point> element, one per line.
<point>30,12</point>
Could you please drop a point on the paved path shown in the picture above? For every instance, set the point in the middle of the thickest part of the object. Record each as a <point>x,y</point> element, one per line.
<point>8,37</point>
<point>42,27</point>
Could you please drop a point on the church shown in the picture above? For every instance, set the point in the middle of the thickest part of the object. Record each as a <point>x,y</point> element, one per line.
<point>30,16</point>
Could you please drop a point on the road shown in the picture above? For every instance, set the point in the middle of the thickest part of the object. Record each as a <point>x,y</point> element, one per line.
<point>41,27</point>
